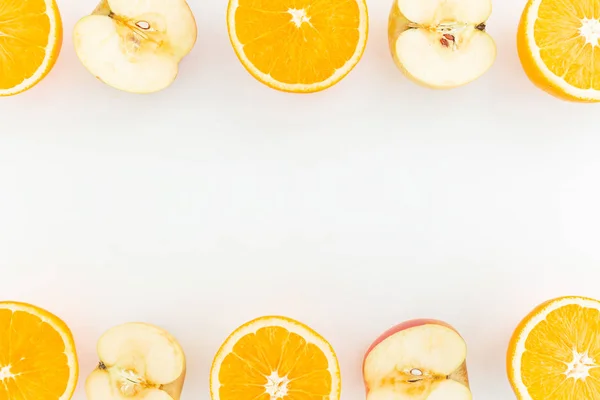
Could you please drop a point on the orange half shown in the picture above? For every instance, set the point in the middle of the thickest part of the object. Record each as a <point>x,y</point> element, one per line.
<point>30,42</point>
<point>298,45</point>
<point>558,45</point>
<point>37,354</point>
<point>273,358</point>
<point>554,354</point>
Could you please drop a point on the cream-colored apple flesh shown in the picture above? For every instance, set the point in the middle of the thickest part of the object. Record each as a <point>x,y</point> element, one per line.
<point>423,362</point>
<point>136,46</point>
<point>441,44</point>
<point>137,361</point>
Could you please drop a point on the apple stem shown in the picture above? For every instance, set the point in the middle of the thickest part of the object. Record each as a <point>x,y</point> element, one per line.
<point>101,365</point>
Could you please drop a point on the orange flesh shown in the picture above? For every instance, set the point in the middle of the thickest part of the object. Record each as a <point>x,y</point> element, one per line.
<point>24,32</point>
<point>256,356</point>
<point>562,47</point>
<point>551,346</point>
<point>35,351</point>
<point>307,54</point>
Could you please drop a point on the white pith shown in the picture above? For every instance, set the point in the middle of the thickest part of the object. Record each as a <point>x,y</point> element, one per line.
<point>465,57</point>
<point>292,327</point>
<point>579,367</point>
<point>530,18</point>
<point>136,360</point>
<point>410,354</point>
<point>574,368</point>
<point>69,352</point>
<point>299,16</point>
<point>300,87</point>
<point>98,42</point>
<point>276,386</point>
<point>50,48</point>
<point>5,373</point>
<point>590,30</point>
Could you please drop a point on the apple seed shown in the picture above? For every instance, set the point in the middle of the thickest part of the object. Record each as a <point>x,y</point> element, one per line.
<point>143,25</point>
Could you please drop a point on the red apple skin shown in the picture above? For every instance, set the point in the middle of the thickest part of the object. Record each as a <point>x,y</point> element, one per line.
<point>459,375</point>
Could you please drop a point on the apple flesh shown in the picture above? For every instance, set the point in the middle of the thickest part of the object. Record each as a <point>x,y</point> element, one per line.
<point>441,44</point>
<point>137,361</point>
<point>421,359</point>
<point>136,46</point>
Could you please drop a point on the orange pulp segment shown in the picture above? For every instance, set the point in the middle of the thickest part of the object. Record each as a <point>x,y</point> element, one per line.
<point>30,41</point>
<point>554,353</point>
<point>37,355</point>
<point>275,358</point>
<point>298,45</point>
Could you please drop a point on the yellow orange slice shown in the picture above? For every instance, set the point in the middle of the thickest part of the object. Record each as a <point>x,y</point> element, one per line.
<point>558,46</point>
<point>298,45</point>
<point>273,358</point>
<point>37,354</point>
<point>30,41</point>
<point>554,354</point>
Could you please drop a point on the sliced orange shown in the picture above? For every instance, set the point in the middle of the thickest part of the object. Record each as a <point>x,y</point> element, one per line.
<point>272,358</point>
<point>30,41</point>
<point>37,354</point>
<point>298,45</point>
<point>558,46</point>
<point>554,354</point>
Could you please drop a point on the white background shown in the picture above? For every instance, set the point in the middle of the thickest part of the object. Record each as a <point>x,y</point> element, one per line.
<point>220,200</point>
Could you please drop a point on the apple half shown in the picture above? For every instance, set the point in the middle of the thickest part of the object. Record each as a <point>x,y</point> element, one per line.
<point>441,44</point>
<point>137,361</point>
<point>417,360</point>
<point>136,46</point>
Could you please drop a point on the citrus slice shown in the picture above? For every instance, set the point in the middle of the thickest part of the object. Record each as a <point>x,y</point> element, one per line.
<point>298,46</point>
<point>554,354</point>
<point>37,354</point>
<point>558,46</point>
<point>273,358</point>
<point>30,41</point>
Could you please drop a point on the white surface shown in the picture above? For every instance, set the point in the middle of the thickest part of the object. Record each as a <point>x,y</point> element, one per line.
<point>376,201</point>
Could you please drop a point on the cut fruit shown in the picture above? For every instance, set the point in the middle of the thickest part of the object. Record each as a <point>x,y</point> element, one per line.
<point>441,44</point>
<point>275,358</point>
<point>38,359</point>
<point>417,360</point>
<point>554,354</point>
<point>30,42</point>
<point>137,361</point>
<point>298,46</point>
<point>136,46</point>
<point>558,46</point>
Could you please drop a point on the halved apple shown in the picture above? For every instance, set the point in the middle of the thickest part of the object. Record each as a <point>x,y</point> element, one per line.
<point>137,361</point>
<point>136,46</point>
<point>417,360</point>
<point>441,44</point>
